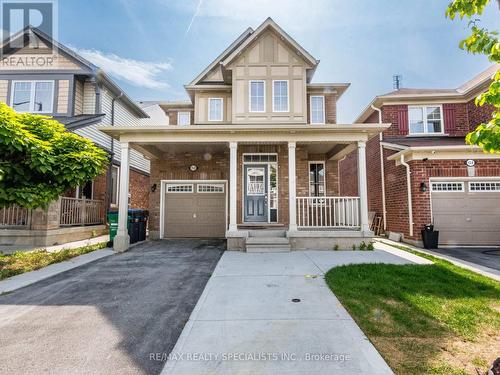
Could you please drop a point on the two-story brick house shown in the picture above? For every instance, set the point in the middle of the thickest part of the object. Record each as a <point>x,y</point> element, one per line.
<point>44,77</point>
<point>420,170</point>
<point>253,155</point>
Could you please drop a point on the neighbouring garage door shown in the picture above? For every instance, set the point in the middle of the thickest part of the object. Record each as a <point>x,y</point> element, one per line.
<point>467,212</point>
<point>195,210</point>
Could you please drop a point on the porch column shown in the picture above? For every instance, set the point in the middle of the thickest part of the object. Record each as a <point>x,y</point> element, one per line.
<point>362,187</point>
<point>292,187</point>
<point>122,240</point>
<point>233,172</point>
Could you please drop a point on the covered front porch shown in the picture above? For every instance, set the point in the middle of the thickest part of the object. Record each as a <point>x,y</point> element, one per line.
<point>239,181</point>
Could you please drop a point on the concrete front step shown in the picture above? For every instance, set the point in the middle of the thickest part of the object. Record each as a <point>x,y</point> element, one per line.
<point>267,241</point>
<point>268,248</point>
<point>267,233</point>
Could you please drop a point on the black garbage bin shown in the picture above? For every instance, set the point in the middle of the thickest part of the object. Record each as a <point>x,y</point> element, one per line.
<point>143,223</point>
<point>134,217</point>
<point>430,237</point>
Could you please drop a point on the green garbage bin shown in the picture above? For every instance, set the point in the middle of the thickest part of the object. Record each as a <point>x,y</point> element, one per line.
<point>113,224</point>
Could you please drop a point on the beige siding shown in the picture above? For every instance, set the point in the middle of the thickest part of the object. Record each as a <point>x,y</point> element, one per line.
<point>201,106</point>
<point>4,88</point>
<point>78,97</point>
<point>268,59</point>
<point>88,98</point>
<point>63,96</point>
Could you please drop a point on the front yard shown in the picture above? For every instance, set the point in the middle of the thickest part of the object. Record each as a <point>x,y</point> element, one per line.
<point>21,262</point>
<point>424,319</point>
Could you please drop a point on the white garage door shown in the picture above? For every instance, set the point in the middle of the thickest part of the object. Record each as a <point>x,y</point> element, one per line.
<point>466,212</point>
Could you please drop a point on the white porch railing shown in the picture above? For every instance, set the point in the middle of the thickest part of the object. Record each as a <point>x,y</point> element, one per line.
<point>14,217</point>
<point>328,212</point>
<point>76,211</point>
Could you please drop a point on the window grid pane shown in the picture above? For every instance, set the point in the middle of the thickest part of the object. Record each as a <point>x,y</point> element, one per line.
<point>22,96</point>
<point>280,98</point>
<point>317,110</point>
<point>257,96</point>
<point>317,179</point>
<point>43,97</point>
<point>215,112</point>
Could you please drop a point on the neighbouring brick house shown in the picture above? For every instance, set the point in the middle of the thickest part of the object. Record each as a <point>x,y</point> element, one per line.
<point>252,156</point>
<point>45,77</point>
<point>452,185</point>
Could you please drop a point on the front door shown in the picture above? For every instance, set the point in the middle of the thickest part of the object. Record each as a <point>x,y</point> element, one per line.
<point>256,193</point>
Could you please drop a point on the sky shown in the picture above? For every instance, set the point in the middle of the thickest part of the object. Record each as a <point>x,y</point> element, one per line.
<point>154,47</point>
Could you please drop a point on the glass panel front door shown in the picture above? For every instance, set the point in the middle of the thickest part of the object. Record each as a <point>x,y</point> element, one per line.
<point>256,193</point>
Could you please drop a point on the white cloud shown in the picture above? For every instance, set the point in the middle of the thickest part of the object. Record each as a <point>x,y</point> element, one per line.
<point>136,72</point>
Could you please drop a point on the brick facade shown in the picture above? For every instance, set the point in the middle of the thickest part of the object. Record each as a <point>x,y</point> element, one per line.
<point>465,116</point>
<point>176,167</point>
<point>330,107</point>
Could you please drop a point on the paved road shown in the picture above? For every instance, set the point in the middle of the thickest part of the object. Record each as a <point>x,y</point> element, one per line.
<point>106,317</point>
<point>483,256</point>
<point>246,321</point>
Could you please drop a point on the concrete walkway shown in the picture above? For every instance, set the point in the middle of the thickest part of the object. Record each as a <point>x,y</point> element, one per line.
<point>246,322</point>
<point>9,249</point>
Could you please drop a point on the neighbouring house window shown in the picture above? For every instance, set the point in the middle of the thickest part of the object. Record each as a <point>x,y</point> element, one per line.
<point>115,173</point>
<point>183,118</point>
<point>33,96</point>
<point>215,109</point>
<point>85,191</point>
<point>257,96</point>
<point>425,119</point>
<point>317,179</point>
<point>317,109</point>
<point>280,96</point>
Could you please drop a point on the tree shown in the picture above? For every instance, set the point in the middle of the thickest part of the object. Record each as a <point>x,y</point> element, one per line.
<point>482,41</point>
<point>40,159</point>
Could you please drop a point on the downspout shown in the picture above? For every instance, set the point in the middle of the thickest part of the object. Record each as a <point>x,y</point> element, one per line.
<point>110,186</point>
<point>382,168</point>
<point>408,185</point>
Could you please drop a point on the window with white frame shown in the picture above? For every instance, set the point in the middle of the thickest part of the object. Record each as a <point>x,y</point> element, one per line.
<point>260,158</point>
<point>317,109</point>
<point>210,188</point>
<point>179,188</point>
<point>183,118</point>
<point>447,187</point>
<point>317,179</point>
<point>484,186</point>
<point>33,96</point>
<point>257,96</point>
<point>115,175</point>
<point>280,96</point>
<point>215,106</point>
<point>425,119</point>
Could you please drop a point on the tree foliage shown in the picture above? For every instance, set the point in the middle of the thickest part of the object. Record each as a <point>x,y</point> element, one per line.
<point>486,42</point>
<point>40,159</point>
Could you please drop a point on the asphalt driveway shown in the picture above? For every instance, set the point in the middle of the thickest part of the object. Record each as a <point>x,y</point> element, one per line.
<point>118,315</point>
<point>487,257</point>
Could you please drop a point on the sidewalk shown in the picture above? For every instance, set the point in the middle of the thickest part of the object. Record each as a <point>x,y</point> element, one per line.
<point>246,321</point>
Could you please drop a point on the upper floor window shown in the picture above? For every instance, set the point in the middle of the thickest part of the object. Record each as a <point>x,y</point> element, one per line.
<point>317,109</point>
<point>33,96</point>
<point>257,96</point>
<point>183,118</point>
<point>280,96</point>
<point>425,119</point>
<point>317,179</point>
<point>215,109</point>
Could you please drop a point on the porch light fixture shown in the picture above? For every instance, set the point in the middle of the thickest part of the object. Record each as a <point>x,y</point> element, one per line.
<point>423,187</point>
<point>193,168</point>
<point>153,188</point>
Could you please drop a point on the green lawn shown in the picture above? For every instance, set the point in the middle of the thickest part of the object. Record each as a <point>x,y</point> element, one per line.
<point>21,262</point>
<point>423,319</point>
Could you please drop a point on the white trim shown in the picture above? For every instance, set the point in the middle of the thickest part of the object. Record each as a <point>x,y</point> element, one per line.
<point>258,153</point>
<point>424,119</point>
<point>287,95</point>
<point>324,177</point>
<point>32,94</point>
<point>310,109</point>
<point>117,186</point>
<point>250,95</point>
<point>183,113</point>
<point>221,109</point>
<point>163,184</point>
